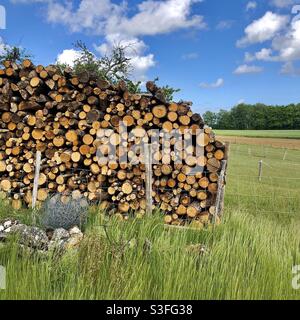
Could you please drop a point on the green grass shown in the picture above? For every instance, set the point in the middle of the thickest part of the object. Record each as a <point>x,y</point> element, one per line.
<point>250,255</point>
<point>277,195</point>
<point>279,134</point>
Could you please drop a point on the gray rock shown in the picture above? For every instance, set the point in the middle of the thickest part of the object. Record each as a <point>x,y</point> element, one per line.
<point>76,237</point>
<point>7,224</point>
<point>36,240</point>
<point>30,236</point>
<point>60,234</point>
<point>3,236</point>
<point>75,230</point>
<point>74,241</point>
<point>59,238</point>
<point>57,246</point>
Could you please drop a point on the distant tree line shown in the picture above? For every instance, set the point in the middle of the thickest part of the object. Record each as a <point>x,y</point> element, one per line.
<point>255,117</point>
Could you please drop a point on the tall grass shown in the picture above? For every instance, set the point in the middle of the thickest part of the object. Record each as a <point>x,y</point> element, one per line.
<point>246,258</point>
<point>249,256</point>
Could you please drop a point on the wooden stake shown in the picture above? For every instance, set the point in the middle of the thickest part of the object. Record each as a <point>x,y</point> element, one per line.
<point>260,163</point>
<point>148,180</point>
<point>227,151</point>
<point>285,154</point>
<point>221,191</point>
<point>36,178</point>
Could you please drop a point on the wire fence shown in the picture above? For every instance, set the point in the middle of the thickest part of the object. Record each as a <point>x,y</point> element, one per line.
<point>264,180</point>
<point>276,191</point>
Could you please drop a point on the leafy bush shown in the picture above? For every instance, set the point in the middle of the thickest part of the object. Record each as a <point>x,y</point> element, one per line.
<point>114,66</point>
<point>168,91</point>
<point>14,54</point>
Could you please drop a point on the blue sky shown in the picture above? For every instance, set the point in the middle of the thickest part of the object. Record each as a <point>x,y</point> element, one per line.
<point>218,52</point>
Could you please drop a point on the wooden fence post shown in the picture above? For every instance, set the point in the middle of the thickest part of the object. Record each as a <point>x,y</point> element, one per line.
<point>221,191</point>
<point>36,178</point>
<point>148,178</point>
<point>260,164</point>
<point>285,154</point>
<point>227,151</point>
<point>221,184</point>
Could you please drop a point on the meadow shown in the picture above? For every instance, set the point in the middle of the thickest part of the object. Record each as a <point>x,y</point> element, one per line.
<point>278,134</point>
<point>249,256</point>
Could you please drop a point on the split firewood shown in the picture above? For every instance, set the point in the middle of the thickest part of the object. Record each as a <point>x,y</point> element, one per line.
<point>80,124</point>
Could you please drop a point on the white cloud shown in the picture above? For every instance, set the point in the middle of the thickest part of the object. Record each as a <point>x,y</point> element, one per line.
<point>251,5</point>
<point>284,34</point>
<point>158,17</point>
<point>190,56</point>
<point>219,83</point>
<point>224,25</point>
<point>141,64</point>
<point>134,49</point>
<point>105,17</point>
<point>285,48</point>
<point>245,68</point>
<point>283,3</point>
<point>68,56</point>
<point>289,68</point>
<point>288,44</point>
<point>263,29</point>
<point>90,15</point>
<point>263,55</point>
<point>115,22</point>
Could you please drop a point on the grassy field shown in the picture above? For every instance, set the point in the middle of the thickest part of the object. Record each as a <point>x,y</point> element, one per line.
<point>249,256</point>
<point>279,134</point>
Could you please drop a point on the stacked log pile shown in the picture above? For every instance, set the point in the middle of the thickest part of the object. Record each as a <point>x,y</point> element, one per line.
<point>71,119</point>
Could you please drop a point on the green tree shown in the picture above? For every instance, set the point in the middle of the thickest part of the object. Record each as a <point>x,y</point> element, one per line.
<point>113,67</point>
<point>256,117</point>
<point>168,91</point>
<point>241,117</point>
<point>224,120</point>
<point>210,118</point>
<point>14,54</point>
<point>259,116</point>
<point>296,116</point>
